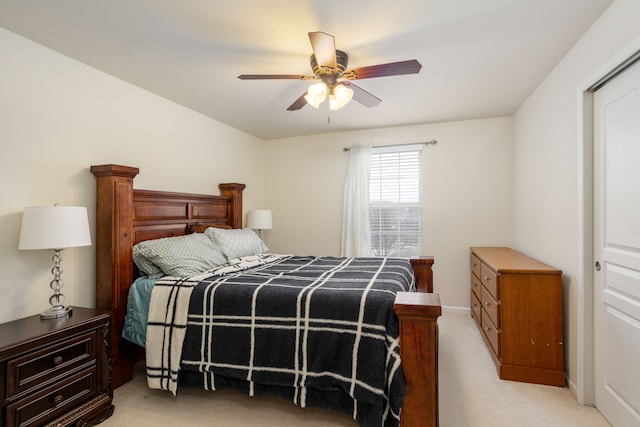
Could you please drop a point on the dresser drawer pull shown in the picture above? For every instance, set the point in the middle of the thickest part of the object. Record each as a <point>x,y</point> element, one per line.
<point>57,398</point>
<point>487,303</point>
<point>57,360</point>
<point>486,278</point>
<point>488,329</point>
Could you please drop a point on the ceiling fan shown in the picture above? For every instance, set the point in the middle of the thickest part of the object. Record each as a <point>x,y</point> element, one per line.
<point>329,65</point>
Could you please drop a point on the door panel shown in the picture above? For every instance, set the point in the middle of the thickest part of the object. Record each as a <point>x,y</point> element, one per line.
<point>622,383</point>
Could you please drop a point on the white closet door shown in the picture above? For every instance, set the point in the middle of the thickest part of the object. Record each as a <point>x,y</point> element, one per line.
<point>617,248</point>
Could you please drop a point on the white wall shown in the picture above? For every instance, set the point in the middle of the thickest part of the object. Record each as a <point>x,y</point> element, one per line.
<point>547,164</point>
<point>57,118</point>
<point>466,188</point>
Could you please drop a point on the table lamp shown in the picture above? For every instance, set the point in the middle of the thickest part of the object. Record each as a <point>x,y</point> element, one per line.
<point>57,228</point>
<point>259,219</point>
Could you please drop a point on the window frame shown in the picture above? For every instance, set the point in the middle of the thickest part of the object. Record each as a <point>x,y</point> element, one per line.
<point>411,182</point>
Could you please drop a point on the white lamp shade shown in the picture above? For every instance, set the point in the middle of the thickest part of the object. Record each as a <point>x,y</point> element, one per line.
<point>316,94</point>
<point>54,227</point>
<point>259,219</point>
<point>340,96</point>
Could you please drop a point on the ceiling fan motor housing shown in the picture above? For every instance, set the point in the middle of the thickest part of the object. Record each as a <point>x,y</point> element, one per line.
<point>342,59</point>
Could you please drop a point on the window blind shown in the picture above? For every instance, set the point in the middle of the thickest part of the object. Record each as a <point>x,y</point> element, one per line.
<point>395,201</point>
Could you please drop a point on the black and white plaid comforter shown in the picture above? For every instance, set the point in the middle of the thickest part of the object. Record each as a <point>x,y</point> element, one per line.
<point>320,331</point>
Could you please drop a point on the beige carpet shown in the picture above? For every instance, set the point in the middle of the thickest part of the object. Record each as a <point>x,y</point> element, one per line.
<point>470,395</point>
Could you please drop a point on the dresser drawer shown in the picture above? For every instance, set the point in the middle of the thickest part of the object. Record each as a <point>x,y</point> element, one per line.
<point>476,286</point>
<point>475,265</point>
<point>490,306</point>
<point>490,281</point>
<point>49,363</point>
<point>476,308</point>
<point>491,332</point>
<point>46,405</point>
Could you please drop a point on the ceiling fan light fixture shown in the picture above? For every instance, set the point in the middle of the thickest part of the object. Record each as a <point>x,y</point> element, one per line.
<point>340,96</point>
<point>316,94</point>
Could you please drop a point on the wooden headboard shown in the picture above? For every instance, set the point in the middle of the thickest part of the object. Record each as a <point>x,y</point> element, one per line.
<point>126,216</point>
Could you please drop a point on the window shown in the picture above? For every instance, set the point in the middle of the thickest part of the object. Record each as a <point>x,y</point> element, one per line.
<point>395,201</point>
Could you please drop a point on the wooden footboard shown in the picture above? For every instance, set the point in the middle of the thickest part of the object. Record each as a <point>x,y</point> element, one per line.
<point>422,271</point>
<point>125,216</point>
<point>418,313</point>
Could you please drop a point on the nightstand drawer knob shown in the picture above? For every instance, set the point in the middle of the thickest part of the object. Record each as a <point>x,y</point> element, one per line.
<point>57,398</point>
<point>57,360</point>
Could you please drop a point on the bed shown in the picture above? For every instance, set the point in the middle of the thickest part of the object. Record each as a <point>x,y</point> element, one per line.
<point>126,216</point>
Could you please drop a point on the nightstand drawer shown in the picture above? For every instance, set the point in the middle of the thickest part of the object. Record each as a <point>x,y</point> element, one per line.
<point>44,365</point>
<point>43,406</point>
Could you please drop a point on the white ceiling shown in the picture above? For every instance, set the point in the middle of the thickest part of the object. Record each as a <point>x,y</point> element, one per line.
<point>480,58</point>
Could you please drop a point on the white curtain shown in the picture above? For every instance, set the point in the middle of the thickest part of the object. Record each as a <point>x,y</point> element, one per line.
<point>356,228</point>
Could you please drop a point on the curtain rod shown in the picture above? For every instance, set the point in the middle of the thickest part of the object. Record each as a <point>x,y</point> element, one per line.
<point>432,142</point>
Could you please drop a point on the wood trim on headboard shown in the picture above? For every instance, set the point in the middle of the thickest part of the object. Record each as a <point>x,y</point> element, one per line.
<point>114,271</point>
<point>235,207</point>
<point>126,216</point>
<point>114,194</point>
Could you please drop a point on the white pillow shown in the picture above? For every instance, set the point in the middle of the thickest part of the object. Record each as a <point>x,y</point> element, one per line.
<point>236,243</point>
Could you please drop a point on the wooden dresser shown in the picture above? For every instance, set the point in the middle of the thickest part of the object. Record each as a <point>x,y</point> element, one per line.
<point>56,372</point>
<point>517,303</point>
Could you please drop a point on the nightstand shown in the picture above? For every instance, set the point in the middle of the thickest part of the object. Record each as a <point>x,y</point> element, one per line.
<point>56,372</point>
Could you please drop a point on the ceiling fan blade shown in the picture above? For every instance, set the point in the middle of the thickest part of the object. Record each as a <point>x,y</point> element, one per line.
<point>362,96</point>
<point>274,76</point>
<point>324,48</point>
<point>382,70</point>
<point>298,103</point>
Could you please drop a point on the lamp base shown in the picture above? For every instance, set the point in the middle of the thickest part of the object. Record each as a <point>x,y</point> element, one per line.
<point>56,311</point>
